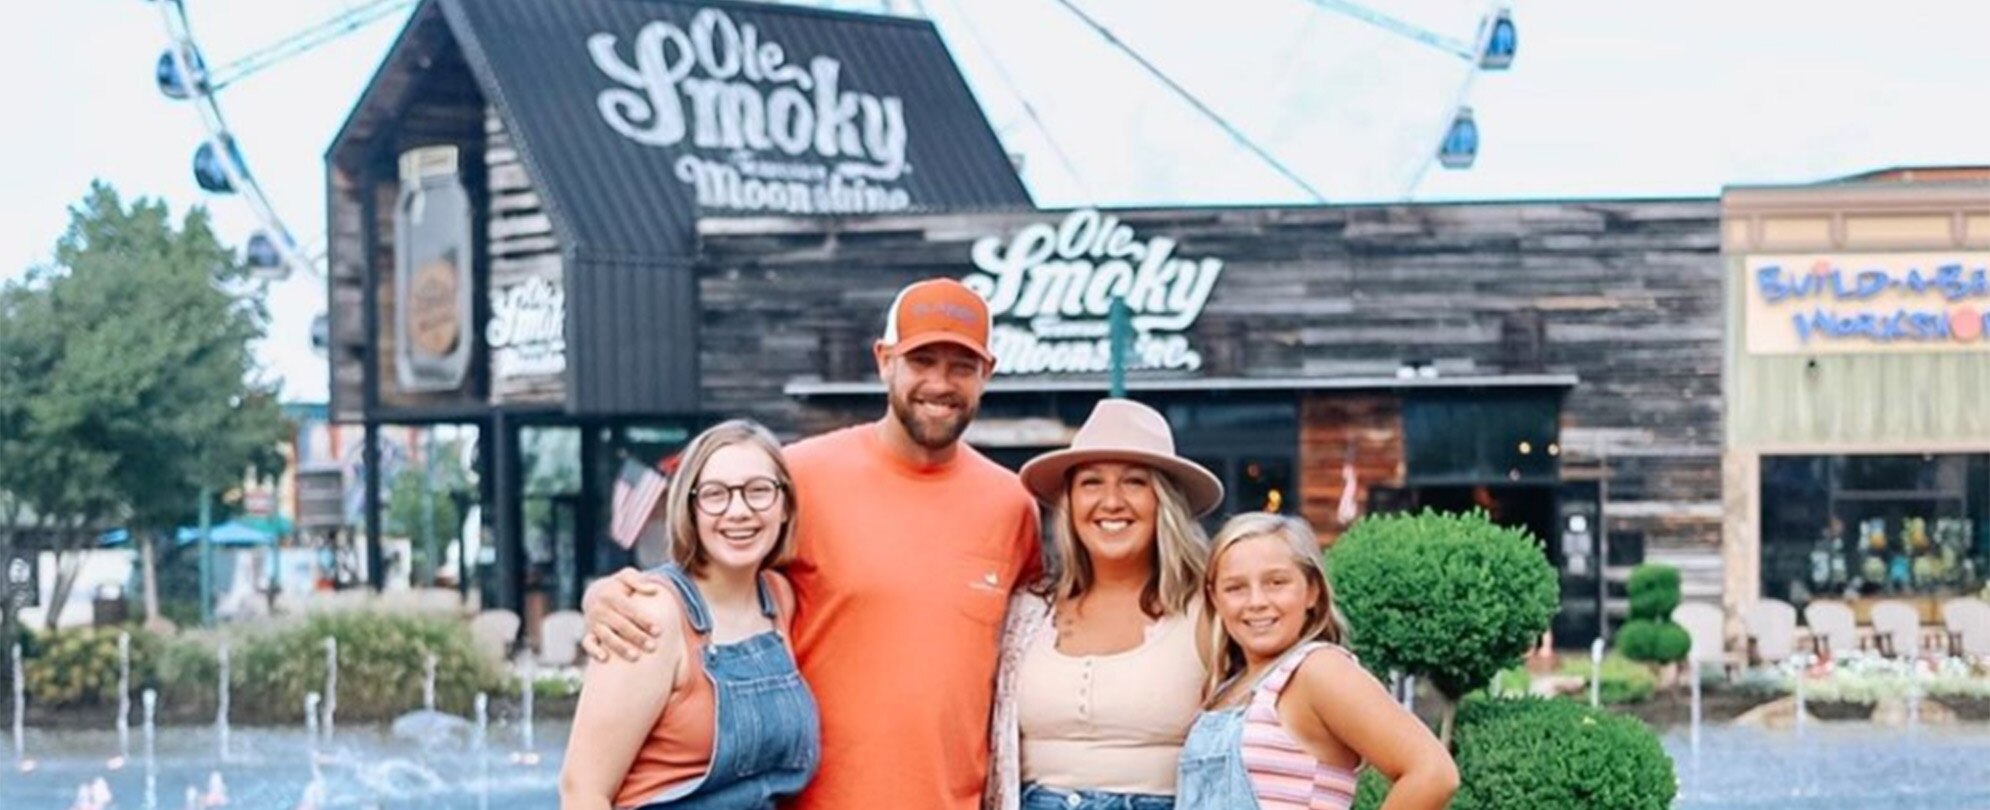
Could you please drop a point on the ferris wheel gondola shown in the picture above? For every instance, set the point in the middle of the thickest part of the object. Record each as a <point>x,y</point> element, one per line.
<point>182,74</point>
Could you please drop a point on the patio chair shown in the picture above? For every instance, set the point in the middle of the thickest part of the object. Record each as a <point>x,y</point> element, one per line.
<point>1704,625</point>
<point>494,632</point>
<point>1833,628</point>
<point>1771,625</point>
<point>1968,622</point>
<point>559,638</point>
<point>1897,629</point>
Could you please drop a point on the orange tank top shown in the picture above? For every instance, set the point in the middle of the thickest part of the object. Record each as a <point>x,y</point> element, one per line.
<point>679,746</point>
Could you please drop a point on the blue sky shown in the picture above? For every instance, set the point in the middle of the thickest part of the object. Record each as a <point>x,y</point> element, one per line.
<point>1606,99</point>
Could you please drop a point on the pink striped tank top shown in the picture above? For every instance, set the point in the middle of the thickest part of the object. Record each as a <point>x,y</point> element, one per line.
<point>1283,774</point>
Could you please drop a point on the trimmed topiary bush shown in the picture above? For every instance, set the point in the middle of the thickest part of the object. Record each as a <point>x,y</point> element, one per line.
<point>1554,754</point>
<point>1450,598</point>
<point>1651,636</point>
<point>1654,591</point>
<point>1653,642</point>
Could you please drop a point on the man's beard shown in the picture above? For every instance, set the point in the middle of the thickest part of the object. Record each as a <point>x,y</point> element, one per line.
<point>933,435</point>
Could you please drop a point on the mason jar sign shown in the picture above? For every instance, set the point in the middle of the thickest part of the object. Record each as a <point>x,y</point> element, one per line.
<point>432,330</point>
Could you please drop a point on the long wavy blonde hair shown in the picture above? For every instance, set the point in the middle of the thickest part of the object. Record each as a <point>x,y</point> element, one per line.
<point>1180,549</point>
<point>1323,620</point>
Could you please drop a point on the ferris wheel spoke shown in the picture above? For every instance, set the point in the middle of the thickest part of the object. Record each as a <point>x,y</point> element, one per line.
<point>1410,31</point>
<point>346,22</point>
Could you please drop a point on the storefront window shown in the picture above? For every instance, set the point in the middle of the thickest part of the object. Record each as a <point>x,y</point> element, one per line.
<point>1864,526</point>
<point>1482,437</point>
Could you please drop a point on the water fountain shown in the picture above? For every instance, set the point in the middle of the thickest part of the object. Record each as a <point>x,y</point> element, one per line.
<point>526,677</point>
<point>221,702</point>
<point>1596,673</point>
<point>483,709</point>
<point>21,760</point>
<point>1693,678</point>
<point>123,700</point>
<point>1913,695</point>
<point>1803,670</point>
<point>150,701</point>
<point>331,686</point>
<point>428,683</point>
<point>311,701</point>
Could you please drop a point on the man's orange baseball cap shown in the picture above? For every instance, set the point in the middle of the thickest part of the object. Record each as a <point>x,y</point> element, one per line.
<point>938,310</point>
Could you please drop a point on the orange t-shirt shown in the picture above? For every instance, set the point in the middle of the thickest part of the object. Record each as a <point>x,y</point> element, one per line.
<point>901,576</point>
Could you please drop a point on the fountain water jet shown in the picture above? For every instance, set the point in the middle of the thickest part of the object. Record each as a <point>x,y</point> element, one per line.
<point>221,702</point>
<point>331,687</point>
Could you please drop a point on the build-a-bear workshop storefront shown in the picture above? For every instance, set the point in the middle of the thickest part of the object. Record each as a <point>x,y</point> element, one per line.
<point>593,227</point>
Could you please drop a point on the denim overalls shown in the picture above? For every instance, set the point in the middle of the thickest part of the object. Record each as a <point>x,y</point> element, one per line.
<point>1212,771</point>
<point>768,738</point>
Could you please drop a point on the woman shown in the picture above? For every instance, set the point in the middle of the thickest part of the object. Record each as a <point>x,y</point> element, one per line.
<point>715,716</point>
<point>1290,715</point>
<point>1100,674</point>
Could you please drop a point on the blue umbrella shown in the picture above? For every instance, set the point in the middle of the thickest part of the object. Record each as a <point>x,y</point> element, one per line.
<point>232,533</point>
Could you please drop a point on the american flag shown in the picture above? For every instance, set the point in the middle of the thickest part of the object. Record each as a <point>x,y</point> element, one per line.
<point>637,490</point>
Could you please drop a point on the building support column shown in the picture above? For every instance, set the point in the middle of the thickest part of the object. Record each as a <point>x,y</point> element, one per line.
<point>1741,533</point>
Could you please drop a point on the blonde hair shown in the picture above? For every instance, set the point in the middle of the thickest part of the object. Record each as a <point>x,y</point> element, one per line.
<point>685,550</point>
<point>1323,620</point>
<point>1179,544</point>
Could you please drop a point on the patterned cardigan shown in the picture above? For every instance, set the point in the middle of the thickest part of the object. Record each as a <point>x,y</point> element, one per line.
<point>1029,614</point>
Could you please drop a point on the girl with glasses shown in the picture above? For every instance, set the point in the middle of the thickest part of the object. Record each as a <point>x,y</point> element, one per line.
<point>714,716</point>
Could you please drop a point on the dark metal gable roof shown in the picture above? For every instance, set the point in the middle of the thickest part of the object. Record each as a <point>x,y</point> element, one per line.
<point>615,196</point>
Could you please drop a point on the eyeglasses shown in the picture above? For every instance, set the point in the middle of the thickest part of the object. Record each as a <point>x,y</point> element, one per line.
<point>714,498</point>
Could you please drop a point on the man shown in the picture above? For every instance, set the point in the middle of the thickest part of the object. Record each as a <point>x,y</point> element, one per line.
<point>908,545</point>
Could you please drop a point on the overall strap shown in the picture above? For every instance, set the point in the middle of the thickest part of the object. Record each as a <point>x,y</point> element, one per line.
<point>1274,682</point>
<point>695,610</point>
<point>769,607</point>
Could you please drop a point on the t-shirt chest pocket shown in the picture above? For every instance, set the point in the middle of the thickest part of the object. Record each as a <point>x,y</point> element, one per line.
<point>983,582</point>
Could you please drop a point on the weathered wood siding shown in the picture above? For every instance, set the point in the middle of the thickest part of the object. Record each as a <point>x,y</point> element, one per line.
<point>1624,294</point>
<point>522,246</point>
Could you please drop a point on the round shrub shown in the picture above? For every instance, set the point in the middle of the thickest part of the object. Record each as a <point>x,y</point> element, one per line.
<point>1653,642</point>
<point>1450,598</point>
<point>1553,754</point>
<point>1653,591</point>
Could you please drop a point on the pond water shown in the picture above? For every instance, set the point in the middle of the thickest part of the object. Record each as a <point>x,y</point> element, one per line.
<point>1833,765</point>
<point>270,769</point>
<point>1828,766</point>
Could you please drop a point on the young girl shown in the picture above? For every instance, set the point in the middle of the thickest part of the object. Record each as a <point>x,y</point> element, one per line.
<point>716,716</point>
<point>1289,716</point>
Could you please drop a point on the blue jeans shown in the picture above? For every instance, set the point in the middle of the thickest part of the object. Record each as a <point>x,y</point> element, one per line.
<point>1039,797</point>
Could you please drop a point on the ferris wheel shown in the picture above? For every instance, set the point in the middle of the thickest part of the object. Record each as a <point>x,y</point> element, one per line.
<point>183,74</point>
<point>1328,99</point>
<point>1474,36</point>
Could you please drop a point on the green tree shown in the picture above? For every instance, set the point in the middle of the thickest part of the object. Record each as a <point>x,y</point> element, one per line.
<point>1450,598</point>
<point>145,392</point>
<point>53,481</point>
<point>420,509</point>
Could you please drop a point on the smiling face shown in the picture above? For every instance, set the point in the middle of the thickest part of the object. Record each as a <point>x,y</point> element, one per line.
<point>934,390</point>
<point>738,537</point>
<point>1262,596</point>
<point>1114,509</point>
